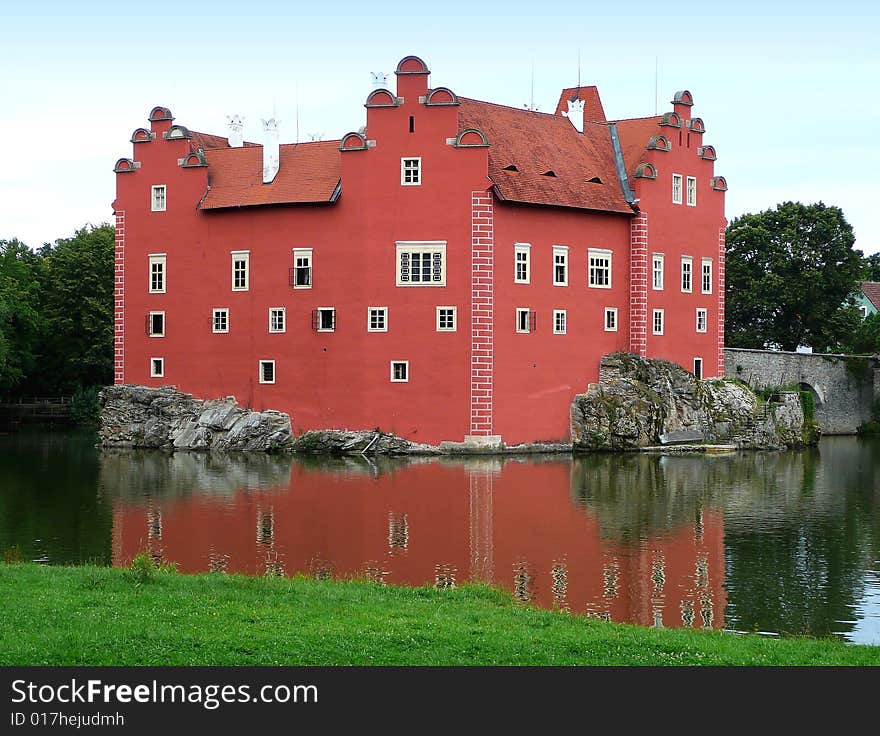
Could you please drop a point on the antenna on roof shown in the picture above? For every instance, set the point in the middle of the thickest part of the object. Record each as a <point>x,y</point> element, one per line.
<point>297,112</point>
<point>656,85</point>
<point>532,94</point>
<point>579,71</point>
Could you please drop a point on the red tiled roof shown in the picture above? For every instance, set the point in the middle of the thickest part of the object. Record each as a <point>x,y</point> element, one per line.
<point>634,135</point>
<point>535,143</point>
<point>207,141</point>
<point>871,290</point>
<point>593,110</point>
<point>308,172</point>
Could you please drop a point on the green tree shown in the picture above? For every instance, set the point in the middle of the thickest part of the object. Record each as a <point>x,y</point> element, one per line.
<point>866,337</point>
<point>77,280</point>
<point>21,323</point>
<point>791,275</point>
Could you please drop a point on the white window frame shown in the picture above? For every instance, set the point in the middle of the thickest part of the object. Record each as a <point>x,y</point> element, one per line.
<point>159,259</point>
<point>326,329</point>
<point>677,197</point>
<point>706,262</point>
<point>556,314</point>
<point>863,310</point>
<point>701,311</point>
<point>529,325</point>
<point>274,328</point>
<point>610,311</point>
<point>687,261</point>
<point>404,363</point>
<point>524,250</point>
<point>214,312</point>
<point>657,259</point>
<point>154,204</point>
<point>245,257</point>
<point>262,375</point>
<point>691,191</point>
<point>560,251</point>
<point>150,331</point>
<point>379,310</point>
<point>303,253</point>
<point>700,361</point>
<point>161,372</point>
<point>417,181</point>
<point>599,253</point>
<point>422,247</point>
<point>454,327</point>
<point>662,315</point>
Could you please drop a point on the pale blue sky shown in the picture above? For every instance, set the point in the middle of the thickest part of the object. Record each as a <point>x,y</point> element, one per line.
<point>788,90</point>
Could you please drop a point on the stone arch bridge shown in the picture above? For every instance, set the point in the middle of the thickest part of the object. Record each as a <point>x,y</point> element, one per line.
<point>844,387</point>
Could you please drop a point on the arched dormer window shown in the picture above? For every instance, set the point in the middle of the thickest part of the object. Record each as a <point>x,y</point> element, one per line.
<point>471,138</point>
<point>441,96</point>
<point>124,165</point>
<point>141,135</point>
<point>177,133</point>
<point>719,184</point>
<point>412,65</point>
<point>194,160</point>
<point>353,142</point>
<point>696,125</point>
<point>381,98</point>
<point>707,153</point>
<point>671,119</point>
<point>683,97</point>
<point>160,113</point>
<point>645,171</point>
<point>659,143</point>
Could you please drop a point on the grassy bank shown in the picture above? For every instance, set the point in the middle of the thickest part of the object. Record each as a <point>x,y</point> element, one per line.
<point>102,616</point>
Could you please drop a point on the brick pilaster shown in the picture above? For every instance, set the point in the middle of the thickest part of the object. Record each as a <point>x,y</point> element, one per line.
<point>119,302</point>
<point>638,285</point>
<point>721,297</point>
<point>482,312</point>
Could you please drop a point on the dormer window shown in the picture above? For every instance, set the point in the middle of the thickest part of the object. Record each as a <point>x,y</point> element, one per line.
<point>594,180</point>
<point>410,172</point>
<point>549,173</point>
<point>157,203</point>
<point>512,167</point>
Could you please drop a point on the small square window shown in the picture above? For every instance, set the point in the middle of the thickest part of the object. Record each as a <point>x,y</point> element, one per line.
<point>157,367</point>
<point>158,263</point>
<point>277,319</point>
<point>676,188</point>
<point>301,273</point>
<point>599,275</point>
<point>525,320</point>
<point>220,320</point>
<point>399,371</point>
<point>240,270</point>
<point>692,191</point>
<point>657,272</point>
<point>560,265</point>
<point>658,322</point>
<point>521,263</point>
<point>324,319</point>
<point>702,320</point>
<point>410,172</point>
<point>446,319</point>
<point>157,199</point>
<point>156,324</point>
<point>267,371</point>
<point>560,320</point>
<point>377,319</point>
<point>610,319</point>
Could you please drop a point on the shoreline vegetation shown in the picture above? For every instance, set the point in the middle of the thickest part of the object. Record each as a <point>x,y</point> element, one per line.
<point>144,615</point>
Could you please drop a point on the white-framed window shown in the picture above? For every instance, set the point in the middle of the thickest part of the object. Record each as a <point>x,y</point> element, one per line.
<point>522,267</point>
<point>156,324</point>
<point>241,270</point>
<point>657,271</point>
<point>267,371</point>
<point>610,319</point>
<point>863,310</point>
<point>692,191</point>
<point>707,276</point>
<point>560,265</point>
<point>599,268</point>
<point>158,263</point>
<point>698,367</point>
<point>324,319</point>
<point>560,321</point>
<point>220,320</point>
<point>410,172</point>
<point>277,319</point>
<point>657,322</point>
<point>702,320</point>
<point>301,278</point>
<point>399,371</point>
<point>677,186</point>
<point>421,263</point>
<point>377,319</point>
<point>157,198</point>
<point>525,319</point>
<point>447,319</point>
<point>687,274</point>
<point>157,367</point>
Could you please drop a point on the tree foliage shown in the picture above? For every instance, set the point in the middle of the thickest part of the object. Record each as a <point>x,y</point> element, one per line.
<point>791,275</point>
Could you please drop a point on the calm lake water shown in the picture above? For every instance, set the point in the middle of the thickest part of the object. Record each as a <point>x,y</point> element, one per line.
<point>773,542</point>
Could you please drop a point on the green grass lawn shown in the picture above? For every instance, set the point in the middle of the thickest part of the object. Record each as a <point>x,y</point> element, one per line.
<point>99,616</point>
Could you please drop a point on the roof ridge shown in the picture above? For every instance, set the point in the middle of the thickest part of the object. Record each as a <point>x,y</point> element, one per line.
<point>644,117</point>
<point>511,107</point>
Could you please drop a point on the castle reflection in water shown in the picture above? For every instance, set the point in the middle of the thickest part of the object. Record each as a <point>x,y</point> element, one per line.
<point>580,535</point>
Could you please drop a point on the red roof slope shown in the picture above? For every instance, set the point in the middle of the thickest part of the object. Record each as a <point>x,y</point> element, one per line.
<point>593,110</point>
<point>634,135</point>
<point>535,143</point>
<point>871,290</point>
<point>308,172</point>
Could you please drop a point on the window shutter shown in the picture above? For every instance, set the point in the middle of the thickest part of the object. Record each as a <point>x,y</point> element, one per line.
<point>147,325</point>
<point>437,266</point>
<point>404,266</point>
<point>333,319</point>
<point>316,317</point>
<point>292,277</point>
<point>533,324</point>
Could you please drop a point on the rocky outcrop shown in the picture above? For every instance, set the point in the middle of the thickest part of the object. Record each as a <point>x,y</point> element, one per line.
<point>354,442</point>
<point>138,416</point>
<point>637,401</point>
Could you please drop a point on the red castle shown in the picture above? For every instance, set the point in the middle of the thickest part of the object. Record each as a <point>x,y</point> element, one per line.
<point>454,270</point>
